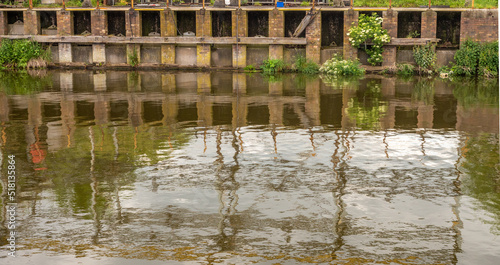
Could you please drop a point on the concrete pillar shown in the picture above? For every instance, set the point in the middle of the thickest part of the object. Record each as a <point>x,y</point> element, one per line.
<point>276,29</point>
<point>313,37</point>
<point>425,116</point>
<point>203,29</point>
<point>4,108</point>
<point>99,25</point>
<point>168,29</point>
<point>64,23</point>
<point>131,49</point>
<point>390,23</point>
<point>132,23</point>
<point>240,29</point>
<point>4,29</point>
<point>312,106</point>
<point>429,24</point>
<point>350,19</point>
<point>65,53</point>
<point>32,22</point>
<point>276,104</point>
<point>99,53</point>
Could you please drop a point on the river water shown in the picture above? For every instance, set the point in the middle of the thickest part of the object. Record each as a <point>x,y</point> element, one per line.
<point>233,168</point>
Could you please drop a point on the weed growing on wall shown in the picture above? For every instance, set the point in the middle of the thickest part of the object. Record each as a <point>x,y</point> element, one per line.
<point>272,66</point>
<point>369,32</point>
<point>425,57</point>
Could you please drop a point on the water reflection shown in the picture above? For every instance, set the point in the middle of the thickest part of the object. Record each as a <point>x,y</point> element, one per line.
<point>223,167</point>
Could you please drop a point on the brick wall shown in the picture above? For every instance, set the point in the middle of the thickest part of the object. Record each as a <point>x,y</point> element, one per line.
<point>167,23</point>
<point>64,22</point>
<point>313,37</point>
<point>203,23</point>
<point>429,24</point>
<point>390,23</point>
<point>240,23</point>
<point>4,30</point>
<point>99,23</point>
<point>480,25</point>
<point>350,17</point>
<point>276,29</point>
<point>132,23</point>
<point>31,22</point>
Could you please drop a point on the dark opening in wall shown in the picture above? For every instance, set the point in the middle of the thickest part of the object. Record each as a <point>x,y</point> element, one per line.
<point>448,29</point>
<point>116,23</point>
<point>186,23</point>
<point>221,24</point>
<point>150,23</point>
<point>81,23</point>
<point>48,22</point>
<point>369,13</point>
<point>258,23</point>
<point>14,16</point>
<point>332,29</point>
<point>409,24</point>
<point>292,21</point>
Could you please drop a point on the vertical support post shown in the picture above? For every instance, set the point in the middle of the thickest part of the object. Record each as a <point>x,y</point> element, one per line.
<point>32,22</point>
<point>390,23</point>
<point>203,29</point>
<point>276,29</point>
<point>313,37</point>
<point>168,29</point>
<point>350,19</point>
<point>240,29</point>
<point>64,23</point>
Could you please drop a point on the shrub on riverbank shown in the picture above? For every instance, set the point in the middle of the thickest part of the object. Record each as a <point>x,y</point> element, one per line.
<point>272,66</point>
<point>425,57</point>
<point>22,54</point>
<point>474,58</point>
<point>305,66</point>
<point>338,67</point>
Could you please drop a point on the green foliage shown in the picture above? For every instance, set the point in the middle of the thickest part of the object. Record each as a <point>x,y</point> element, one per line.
<point>304,3</point>
<point>405,69</point>
<point>417,3</point>
<point>475,58</point>
<point>250,68</point>
<point>337,67</point>
<point>302,65</point>
<point>257,4</point>
<point>423,91</point>
<point>425,57</point>
<point>133,58</point>
<point>77,3</point>
<point>21,83</point>
<point>367,109</point>
<point>471,92</point>
<point>272,66</point>
<point>413,34</point>
<point>370,33</point>
<point>17,53</point>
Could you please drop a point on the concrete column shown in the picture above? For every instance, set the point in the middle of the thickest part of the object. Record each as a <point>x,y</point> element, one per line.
<point>4,29</point>
<point>99,53</point>
<point>429,24</point>
<point>4,108</point>
<point>390,23</point>
<point>203,29</point>
<point>276,29</point>
<point>131,48</point>
<point>240,29</point>
<point>64,23</point>
<point>32,22</point>
<point>99,23</point>
<point>132,23</point>
<point>313,37</point>
<point>168,29</point>
<point>350,19</point>
<point>65,53</point>
<point>276,104</point>
<point>312,106</point>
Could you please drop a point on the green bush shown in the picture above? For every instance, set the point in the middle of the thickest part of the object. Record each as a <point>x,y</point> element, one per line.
<point>405,69</point>
<point>272,66</point>
<point>133,58</point>
<point>250,68</point>
<point>370,36</point>
<point>337,67</point>
<point>474,58</point>
<point>302,65</point>
<point>425,57</point>
<point>17,53</point>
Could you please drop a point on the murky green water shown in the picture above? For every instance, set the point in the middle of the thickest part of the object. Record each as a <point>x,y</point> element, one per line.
<point>198,168</point>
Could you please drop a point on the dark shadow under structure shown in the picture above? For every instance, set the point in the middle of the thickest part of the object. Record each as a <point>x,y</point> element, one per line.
<point>258,23</point>
<point>116,23</point>
<point>150,23</point>
<point>186,22</point>
<point>292,21</point>
<point>221,24</point>
<point>81,23</point>
<point>409,24</point>
<point>332,29</point>
<point>448,29</point>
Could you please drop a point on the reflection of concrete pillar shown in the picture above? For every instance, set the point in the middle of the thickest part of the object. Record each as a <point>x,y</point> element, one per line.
<point>239,83</point>
<point>204,83</point>
<point>68,118</point>
<point>34,111</point>
<point>389,119</point>
<point>65,53</point>
<point>425,116</point>
<point>169,107</point>
<point>4,108</point>
<point>100,82</point>
<point>276,105</point>
<point>66,81</point>
<point>168,83</point>
<point>388,89</point>
<point>133,81</point>
<point>134,111</point>
<point>204,103</point>
<point>240,112</point>
<point>312,106</point>
<point>101,111</point>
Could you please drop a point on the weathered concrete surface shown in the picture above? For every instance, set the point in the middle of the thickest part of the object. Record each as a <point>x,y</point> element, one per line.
<point>99,53</point>
<point>185,56</point>
<point>65,53</point>
<point>256,55</point>
<point>82,54</point>
<point>116,54</point>
<point>444,57</point>
<point>405,56</point>
<point>151,54</point>
<point>292,54</point>
<point>329,53</point>
<point>222,56</point>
